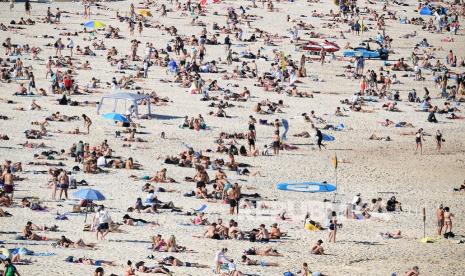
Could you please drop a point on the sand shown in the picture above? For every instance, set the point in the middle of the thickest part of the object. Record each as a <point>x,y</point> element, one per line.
<point>369,166</point>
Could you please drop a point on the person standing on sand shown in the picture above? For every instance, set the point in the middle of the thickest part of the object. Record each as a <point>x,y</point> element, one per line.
<point>332,228</point>
<point>439,140</point>
<point>8,183</point>
<point>418,140</point>
<point>322,56</point>
<point>220,258</point>
<point>27,7</point>
<point>102,217</point>
<point>447,220</point>
<point>276,142</point>
<point>440,219</point>
<point>319,138</point>
<point>12,5</point>
<point>87,122</point>
<point>10,269</point>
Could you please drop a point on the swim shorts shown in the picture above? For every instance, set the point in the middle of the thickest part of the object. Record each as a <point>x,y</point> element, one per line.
<point>103,226</point>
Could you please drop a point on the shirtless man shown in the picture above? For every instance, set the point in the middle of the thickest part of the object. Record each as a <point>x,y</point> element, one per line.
<point>8,185</point>
<point>275,232</point>
<point>317,249</point>
<point>211,232</point>
<point>63,183</point>
<point>440,218</point>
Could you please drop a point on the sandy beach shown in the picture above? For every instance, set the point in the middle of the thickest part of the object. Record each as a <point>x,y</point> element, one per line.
<point>382,167</point>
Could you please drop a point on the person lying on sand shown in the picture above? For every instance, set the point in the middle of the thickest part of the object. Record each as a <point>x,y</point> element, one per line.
<point>88,261</point>
<point>65,242</point>
<point>140,267</point>
<point>172,261</point>
<point>460,189</point>
<point>395,235</point>
<point>263,252</point>
<point>128,220</point>
<point>4,213</point>
<point>247,261</point>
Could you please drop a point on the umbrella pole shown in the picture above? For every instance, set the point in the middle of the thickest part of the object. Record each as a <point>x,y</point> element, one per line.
<point>85,220</point>
<point>335,193</point>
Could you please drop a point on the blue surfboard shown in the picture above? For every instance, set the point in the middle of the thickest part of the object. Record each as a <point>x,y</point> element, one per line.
<point>328,138</point>
<point>307,187</point>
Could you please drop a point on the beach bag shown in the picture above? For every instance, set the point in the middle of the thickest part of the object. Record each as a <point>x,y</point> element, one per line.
<point>288,274</point>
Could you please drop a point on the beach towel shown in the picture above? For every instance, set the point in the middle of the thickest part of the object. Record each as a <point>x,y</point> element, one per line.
<point>427,240</point>
<point>201,208</point>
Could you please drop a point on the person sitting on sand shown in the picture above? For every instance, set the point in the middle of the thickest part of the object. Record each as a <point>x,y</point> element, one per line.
<point>141,208</point>
<point>160,177</point>
<point>263,235</point>
<point>199,219</point>
<point>247,261</point>
<point>275,232</point>
<point>28,234</point>
<point>212,232</point>
<point>317,249</point>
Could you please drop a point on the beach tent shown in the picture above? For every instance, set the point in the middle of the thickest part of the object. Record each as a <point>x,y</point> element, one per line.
<point>125,97</point>
<point>426,10</point>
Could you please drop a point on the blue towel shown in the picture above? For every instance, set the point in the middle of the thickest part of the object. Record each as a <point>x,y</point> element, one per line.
<point>43,254</point>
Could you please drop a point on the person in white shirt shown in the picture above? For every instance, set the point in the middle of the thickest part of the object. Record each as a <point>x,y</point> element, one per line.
<point>129,112</point>
<point>70,46</point>
<point>103,219</point>
<point>114,84</point>
<point>101,161</point>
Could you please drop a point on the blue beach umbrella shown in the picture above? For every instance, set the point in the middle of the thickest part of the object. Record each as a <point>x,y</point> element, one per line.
<point>116,117</point>
<point>89,194</point>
